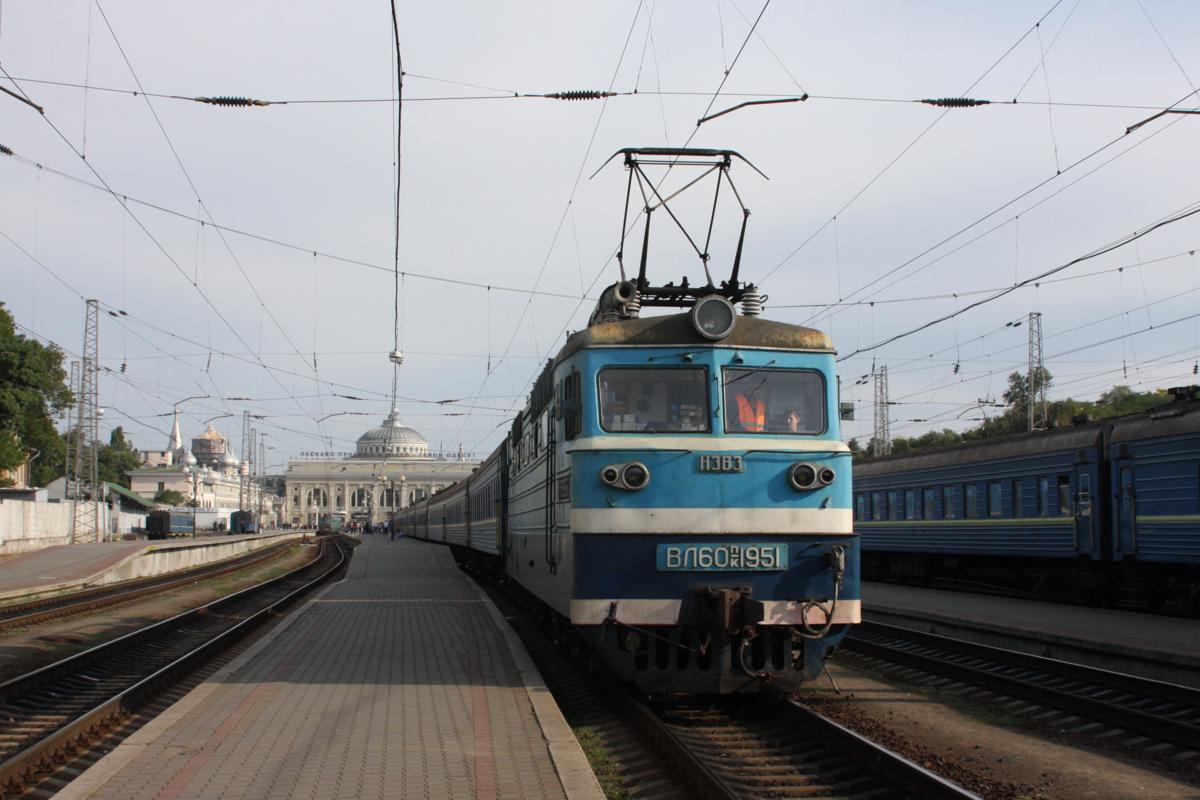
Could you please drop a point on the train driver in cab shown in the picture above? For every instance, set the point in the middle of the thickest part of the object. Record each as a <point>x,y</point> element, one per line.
<point>752,412</point>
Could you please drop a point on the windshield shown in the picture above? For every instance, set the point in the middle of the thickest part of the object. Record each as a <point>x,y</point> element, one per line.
<point>654,400</point>
<point>774,401</point>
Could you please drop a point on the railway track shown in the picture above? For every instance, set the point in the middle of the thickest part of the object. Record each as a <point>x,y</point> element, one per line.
<point>21,614</point>
<point>1164,712</point>
<point>49,715</point>
<point>763,746</point>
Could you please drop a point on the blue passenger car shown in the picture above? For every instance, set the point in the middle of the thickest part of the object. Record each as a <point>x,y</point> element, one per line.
<point>1108,511</point>
<point>1154,463</point>
<point>1019,510</point>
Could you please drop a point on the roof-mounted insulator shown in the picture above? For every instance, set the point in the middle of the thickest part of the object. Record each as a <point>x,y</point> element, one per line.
<point>6,150</point>
<point>231,101</point>
<point>579,94</point>
<point>955,102</point>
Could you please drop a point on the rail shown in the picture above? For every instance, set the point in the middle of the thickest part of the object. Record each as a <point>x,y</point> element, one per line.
<point>46,719</point>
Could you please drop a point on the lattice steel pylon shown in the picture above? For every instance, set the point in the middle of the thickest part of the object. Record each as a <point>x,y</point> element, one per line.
<point>68,475</point>
<point>261,464</point>
<point>85,525</point>
<point>1036,376</point>
<point>881,445</point>
<point>244,467</point>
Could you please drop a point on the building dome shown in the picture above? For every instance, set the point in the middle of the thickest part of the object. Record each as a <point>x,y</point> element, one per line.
<point>209,446</point>
<point>228,460</point>
<point>392,439</point>
<point>184,457</point>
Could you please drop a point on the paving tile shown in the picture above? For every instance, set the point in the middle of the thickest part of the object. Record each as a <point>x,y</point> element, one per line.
<point>395,683</point>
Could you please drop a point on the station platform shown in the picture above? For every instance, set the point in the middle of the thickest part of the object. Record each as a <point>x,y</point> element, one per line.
<point>72,566</point>
<point>400,681</point>
<point>1150,645</point>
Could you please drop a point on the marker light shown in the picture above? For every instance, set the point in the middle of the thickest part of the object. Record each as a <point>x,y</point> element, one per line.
<point>610,475</point>
<point>632,476</point>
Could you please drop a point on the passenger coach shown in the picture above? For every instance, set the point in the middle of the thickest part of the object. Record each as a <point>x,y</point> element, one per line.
<point>1103,512</point>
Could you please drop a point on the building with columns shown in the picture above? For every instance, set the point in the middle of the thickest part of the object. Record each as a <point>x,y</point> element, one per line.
<point>390,468</point>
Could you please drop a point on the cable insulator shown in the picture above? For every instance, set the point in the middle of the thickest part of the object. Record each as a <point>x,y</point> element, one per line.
<point>579,94</point>
<point>633,308</point>
<point>955,102</point>
<point>752,301</point>
<point>6,150</point>
<point>231,101</point>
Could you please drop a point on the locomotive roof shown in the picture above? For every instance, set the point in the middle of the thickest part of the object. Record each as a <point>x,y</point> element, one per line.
<point>676,330</point>
<point>986,449</point>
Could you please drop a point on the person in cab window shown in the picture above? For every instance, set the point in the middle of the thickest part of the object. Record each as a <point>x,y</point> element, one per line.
<point>793,420</point>
<point>752,413</point>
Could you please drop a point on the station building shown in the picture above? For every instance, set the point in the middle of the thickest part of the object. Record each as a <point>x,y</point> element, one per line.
<point>390,468</point>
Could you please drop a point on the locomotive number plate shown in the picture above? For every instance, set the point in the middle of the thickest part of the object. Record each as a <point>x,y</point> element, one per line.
<point>721,464</point>
<point>722,557</point>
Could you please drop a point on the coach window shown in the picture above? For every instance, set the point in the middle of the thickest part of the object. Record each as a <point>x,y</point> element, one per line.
<point>995,499</point>
<point>1018,506</point>
<point>928,497</point>
<point>894,508</point>
<point>1044,497</point>
<point>1064,495</point>
<point>860,507</point>
<point>910,504</point>
<point>971,500</point>
<point>949,506</point>
<point>1085,494</point>
<point>878,511</point>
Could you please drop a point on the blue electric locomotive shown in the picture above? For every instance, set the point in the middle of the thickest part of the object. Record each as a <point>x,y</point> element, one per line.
<point>694,549</point>
<point>1103,512</point>
<point>676,491</point>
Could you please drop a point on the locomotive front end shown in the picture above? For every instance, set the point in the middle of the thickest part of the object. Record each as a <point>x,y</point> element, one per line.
<point>709,500</point>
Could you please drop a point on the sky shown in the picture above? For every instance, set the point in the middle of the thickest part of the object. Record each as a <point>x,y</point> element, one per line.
<point>248,252</point>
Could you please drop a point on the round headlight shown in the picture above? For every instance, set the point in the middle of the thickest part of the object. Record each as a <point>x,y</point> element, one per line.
<point>713,317</point>
<point>610,475</point>
<point>635,476</point>
<point>803,476</point>
<point>826,475</point>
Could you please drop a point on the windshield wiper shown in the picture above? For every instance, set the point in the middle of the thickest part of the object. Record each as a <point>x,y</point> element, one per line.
<point>751,372</point>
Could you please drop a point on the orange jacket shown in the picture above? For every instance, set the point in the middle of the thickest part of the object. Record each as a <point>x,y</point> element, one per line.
<point>751,414</point>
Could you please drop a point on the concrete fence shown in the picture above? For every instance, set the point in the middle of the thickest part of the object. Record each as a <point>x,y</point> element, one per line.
<point>26,526</point>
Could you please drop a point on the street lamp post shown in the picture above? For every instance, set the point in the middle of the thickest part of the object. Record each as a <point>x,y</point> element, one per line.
<point>193,475</point>
<point>398,503</point>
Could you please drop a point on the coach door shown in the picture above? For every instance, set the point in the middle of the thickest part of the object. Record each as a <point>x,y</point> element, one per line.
<point>1085,513</point>
<point>1126,509</point>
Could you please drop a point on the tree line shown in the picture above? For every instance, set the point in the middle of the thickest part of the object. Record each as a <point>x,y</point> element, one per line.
<point>33,391</point>
<point>1116,402</point>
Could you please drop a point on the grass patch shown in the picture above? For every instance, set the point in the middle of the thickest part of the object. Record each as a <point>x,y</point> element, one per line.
<point>607,770</point>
